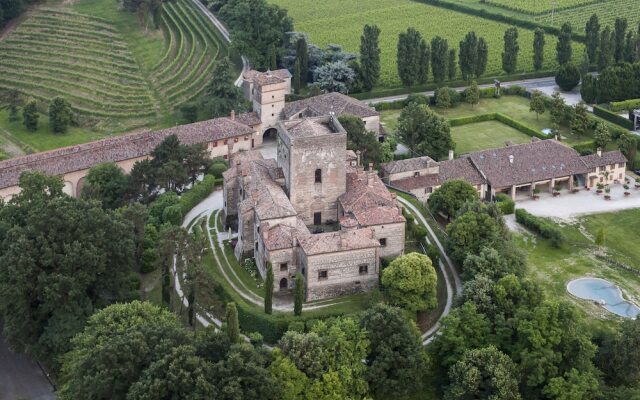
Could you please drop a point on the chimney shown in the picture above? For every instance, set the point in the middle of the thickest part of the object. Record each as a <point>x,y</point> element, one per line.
<point>450,154</point>
<point>599,152</point>
<point>233,115</point>
<point>265,233</point>
<point>370,166</point>
<point>370,177</point>
<point>511,159</point>
<point>358,153</point>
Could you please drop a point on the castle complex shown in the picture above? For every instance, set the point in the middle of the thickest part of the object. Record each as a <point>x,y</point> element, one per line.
<point>313,211</point>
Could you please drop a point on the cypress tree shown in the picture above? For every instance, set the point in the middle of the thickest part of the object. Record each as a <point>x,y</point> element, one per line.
<point>482,58</point>
<point>630,47</point>
<point>30,116</point>
<point>59,115</point>
<point>606,49</point>
<point>423,63</point>
<point>468,55</point>
<point>297,81</point>
<point>473,94</point>
<point>451,68</point>
<point>268,290</point>
<point>302,54</point>
<point>511,49</point>
<point>592,31</point>
<point>620,36</point>
<point>538,49</point>
<point>370,56</point>
<point>439,58</point>
<point>412,57</point>
<point>563,48</point>
<point>298,295</point>
<point>233,326</point>
<point>588,89</point>
<point>273,62</point>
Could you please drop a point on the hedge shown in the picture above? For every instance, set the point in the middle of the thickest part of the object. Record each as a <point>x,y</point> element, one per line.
<point>506,205</point>
<point>473,119</point>
<point>612,117</point>
<point>624,105</point>
<point>541,226</point>
<point>197,193</point>
<point>501,118</point>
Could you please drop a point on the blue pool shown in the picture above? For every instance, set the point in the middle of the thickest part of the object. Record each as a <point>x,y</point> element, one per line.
<point>604,293</point>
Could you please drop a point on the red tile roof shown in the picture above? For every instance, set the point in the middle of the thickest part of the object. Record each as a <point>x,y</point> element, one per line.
<point>368,200</point>
<point>325,104</point>
<point>332,242</point>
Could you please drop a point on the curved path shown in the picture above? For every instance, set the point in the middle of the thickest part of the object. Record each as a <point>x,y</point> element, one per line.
<point>446,268</point>
<point>225,34</point>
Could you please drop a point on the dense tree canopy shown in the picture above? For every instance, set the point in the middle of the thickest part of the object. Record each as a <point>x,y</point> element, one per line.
<point>424,131</point>
<point>106,183</point>
<point>511,49</point>
<point>370,56</point>
<point>61,258</point>
<point>358,139</point>
<point>450,197</point>
<point>412,58</point>
<point>410,282</point>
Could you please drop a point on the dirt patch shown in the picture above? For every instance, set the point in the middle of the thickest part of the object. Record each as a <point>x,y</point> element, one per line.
<point>10,27</point>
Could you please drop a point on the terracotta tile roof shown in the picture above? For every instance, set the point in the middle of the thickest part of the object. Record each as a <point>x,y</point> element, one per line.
<point>117,148</point>
<point>410,164</point>
<point>238,159</point>
<point>609,157</point>
<point>269,200</point>
<point>531,162</point>
<point>417,182</point>
<point>249,118</point>
<point>325,104</point>
<point>267,78</point>
<point>368,200</point>
<point>308,127</point>
<point>338,241</point>
<point>460,168</point>
<point>283,236</point>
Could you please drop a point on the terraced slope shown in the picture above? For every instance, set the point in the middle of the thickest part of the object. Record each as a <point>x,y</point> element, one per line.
<point>58,52</point>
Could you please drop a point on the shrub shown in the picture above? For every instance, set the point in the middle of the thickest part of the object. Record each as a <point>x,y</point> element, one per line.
<point>505,204</point>
<point>149,260</point>
<point>217,168</point>
<point>617,106</point>
<point>541,226</point>
<point>296,326</point>
<point>568,76</point>
<point>173,215</point>
<point>197,193</point>
<point>612,117</point>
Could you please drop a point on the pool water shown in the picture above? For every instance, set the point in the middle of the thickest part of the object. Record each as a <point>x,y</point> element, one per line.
<point>605,293</point>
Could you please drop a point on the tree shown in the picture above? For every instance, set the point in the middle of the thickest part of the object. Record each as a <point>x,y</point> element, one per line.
<point>537,103</point>
<point>232,323</point>
<point>471,231</point>
<point>370,56</point>
<point>106,183</point>
<point>567,76</point>
<point>588,89</point>
<point>619,38</point>
<point>450,197</point>
<point>268,290</point>
<point>619,355</point>
<point>358,139</point>
<point>189,112</point>
<point>606,51</point>
<point>424,131</point>
<point>494,263</point>
<point>221,96</point>
<point>59,115</point>
<point>293,382</point>
<point>557,110</point>
<point>483,57</point>
<point>439,60</point>
<point>410,282</point>
<point>60,259</point>
<point>580,121</point>
<point>585,64</point>
<point>30,115</point>
<point>412,57</point>
<point>473,94</point>
<point>297,79</point>
<point>632,47</point>
<point>592,31</point>
<point>298,295</point>
<point>601,135</point>
<point>468,56</point>
<point>131,336</point>
<point>485,373</point>
<point>628,145</point>
<point>538,49</point>
<point>335,76</point>
<point>10,100</point>
<point>396,358</point>
<point>443,98</point>
<point>511,49</point>
<point>451,67</point>
<point>302,56</point>
<point>563,47</point>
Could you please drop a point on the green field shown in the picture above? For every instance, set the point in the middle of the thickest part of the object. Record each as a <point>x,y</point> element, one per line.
<point>325,26</point>
<point>621,234</point>
<point>117,75</point>
<point>539,6</point>
<point>483,135</point>
<point>607,11</point>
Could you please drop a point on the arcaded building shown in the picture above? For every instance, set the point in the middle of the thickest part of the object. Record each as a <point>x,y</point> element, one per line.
<point>313,211</point>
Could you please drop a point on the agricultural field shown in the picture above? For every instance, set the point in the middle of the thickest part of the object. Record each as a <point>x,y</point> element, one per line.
<point>607,12</point>
<point>117,75</point>
<point>539,6</point>
<point>396,16</point>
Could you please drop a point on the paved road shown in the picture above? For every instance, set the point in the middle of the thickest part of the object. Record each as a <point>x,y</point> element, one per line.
<point>20,377</point>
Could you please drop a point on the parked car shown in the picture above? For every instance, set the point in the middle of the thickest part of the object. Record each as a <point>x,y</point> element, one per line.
<point>637,172</point>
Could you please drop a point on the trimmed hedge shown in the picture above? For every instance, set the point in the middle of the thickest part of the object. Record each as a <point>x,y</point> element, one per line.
<point>501,118</point>
<point>197,193</point>
<point>541,226</point>
<point>472,119</point>
<point>612,117</point>
<point>506,205</point>
<point>626,105</point>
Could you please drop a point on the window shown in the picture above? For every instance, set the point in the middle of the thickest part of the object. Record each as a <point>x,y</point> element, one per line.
<point>284,267</point>
<point>620,165</point>
<point>256,246</point>
<point>246,138</point>
<point>428,190</point>
<point>215,143</point>
<point>235,140</point>
<point>317,218</point>
<point>273,115</point>
<point>225,156</point>
<point>273,105</point>
<point>300,115</point>
<point>258,228</point>
<point>225,141</point>
<point>318,175</point>
<point>363,269</point>
<point>323,274</point>
<point>416,173</point>
<point>383,242</point>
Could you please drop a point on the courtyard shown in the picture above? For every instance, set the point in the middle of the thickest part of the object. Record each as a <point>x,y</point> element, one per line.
<point>483,135</point>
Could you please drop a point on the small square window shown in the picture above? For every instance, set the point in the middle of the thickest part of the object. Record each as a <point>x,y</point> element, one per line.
<point>416,173</point>
<point>383,242</point>
<point>284,267</point>
<point>215,143</point>
<point>246,138</point>
<point>225,156</point>
<point>363,269</point>
<point>235,140</point>
<point>225,141</point>
<point>323,274</point>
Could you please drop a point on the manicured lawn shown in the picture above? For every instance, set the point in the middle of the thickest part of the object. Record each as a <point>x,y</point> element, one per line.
<point>622,232</point>
<point>483,135</point>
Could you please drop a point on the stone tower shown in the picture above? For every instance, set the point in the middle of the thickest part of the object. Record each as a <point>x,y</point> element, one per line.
<point>266,91</point>
<point>311,153</point>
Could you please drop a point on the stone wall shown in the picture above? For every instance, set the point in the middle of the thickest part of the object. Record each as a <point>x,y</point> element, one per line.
<point>283,256</point>
<point>372,124</point>
<point>343,273</point>
<point>268,102</point>
<point>394,235</point>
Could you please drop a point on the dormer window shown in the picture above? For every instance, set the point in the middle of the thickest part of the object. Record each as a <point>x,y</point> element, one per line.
<point>318,176</point>
<point>416,173</point>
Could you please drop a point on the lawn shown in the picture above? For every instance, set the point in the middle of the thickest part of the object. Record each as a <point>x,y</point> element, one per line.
<point>483,135</point>
<point>622,232</point>
<point>347,19</point>
<point>554,267</point>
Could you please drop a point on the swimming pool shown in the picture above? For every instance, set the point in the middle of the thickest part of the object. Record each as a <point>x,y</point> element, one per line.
<point>605,293</point>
